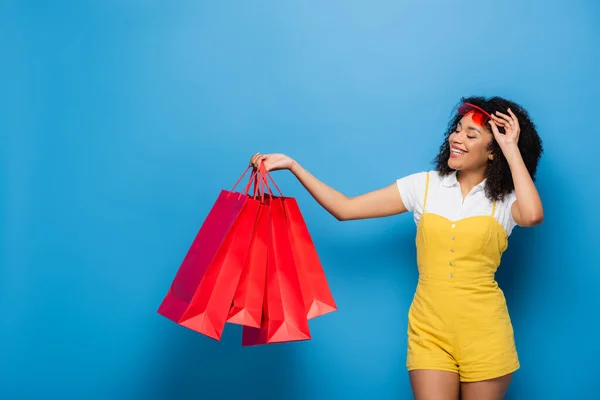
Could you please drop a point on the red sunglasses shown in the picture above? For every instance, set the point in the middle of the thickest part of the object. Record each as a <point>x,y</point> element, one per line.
<point>480,116</point>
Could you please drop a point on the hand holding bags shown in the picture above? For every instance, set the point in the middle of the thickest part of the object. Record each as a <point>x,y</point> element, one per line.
<point>253,263</point>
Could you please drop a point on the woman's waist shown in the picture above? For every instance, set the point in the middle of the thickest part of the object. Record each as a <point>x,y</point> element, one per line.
<point>473,283</point>
<point>472,261</point>
<point>456,270</point>
<point>459,297</point>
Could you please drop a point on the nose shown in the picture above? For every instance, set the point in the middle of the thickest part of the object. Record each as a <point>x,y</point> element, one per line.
<point>457,137</point>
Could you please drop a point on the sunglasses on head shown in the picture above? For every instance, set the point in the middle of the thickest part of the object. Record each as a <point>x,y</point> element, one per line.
<point>479,115</point>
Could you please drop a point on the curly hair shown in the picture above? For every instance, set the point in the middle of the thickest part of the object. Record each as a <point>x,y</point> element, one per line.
<point>499,181</point>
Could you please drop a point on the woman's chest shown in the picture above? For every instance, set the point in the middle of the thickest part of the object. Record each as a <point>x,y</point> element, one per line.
<point>450,203</point>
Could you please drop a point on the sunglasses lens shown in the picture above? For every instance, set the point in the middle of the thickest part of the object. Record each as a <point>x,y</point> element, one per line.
<point>478,117</point>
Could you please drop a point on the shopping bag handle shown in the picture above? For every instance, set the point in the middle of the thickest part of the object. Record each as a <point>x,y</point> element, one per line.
<point>261,177</point>
<point>242,177</point>
<point>264,183</point>
<point>267,174</point>
<point>245,191</point>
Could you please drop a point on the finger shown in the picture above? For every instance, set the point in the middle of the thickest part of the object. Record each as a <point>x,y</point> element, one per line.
<point>256,160</point>
<point>507,123</point>
<point>514,117</point>
<point>505,117</point>
<point>500,121</point>
<point>508,127</point>
<point>495,130</point>
<point>263,161</point>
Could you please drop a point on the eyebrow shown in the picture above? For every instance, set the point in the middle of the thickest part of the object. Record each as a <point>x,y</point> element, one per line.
<point>470,128</point>
<point>474,129</point>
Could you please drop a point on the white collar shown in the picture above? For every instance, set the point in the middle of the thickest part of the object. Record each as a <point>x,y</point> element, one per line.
<point>450,181</point>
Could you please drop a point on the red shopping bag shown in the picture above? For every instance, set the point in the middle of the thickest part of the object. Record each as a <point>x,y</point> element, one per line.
<point>209,308</point>
<point>224,229</point>
<point>248,301</point>
<point>284,314</point>
<point>316,293</point>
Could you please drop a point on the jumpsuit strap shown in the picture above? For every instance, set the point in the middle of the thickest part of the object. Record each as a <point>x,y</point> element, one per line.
<point>494,209</point>
<point>426,190</point>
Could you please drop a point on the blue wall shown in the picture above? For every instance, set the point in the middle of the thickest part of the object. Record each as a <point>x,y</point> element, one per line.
<point>122,120</point>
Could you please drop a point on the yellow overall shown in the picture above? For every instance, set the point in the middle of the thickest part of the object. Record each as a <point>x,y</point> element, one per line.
<point>458,320</point>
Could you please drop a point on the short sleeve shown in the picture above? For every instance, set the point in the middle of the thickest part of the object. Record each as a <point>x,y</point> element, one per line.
<point>412,191</point>
<point>504,212</point>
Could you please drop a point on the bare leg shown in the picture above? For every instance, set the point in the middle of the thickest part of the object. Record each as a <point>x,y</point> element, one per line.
<point>434,385</point>
<point>492,389</point>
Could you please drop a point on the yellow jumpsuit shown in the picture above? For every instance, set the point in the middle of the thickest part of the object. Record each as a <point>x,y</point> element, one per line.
<point>458,320</point>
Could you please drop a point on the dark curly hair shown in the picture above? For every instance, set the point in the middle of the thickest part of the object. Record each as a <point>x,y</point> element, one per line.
<point>499,181</point>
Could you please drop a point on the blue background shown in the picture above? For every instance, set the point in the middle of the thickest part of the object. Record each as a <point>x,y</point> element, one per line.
<point>121,120</point>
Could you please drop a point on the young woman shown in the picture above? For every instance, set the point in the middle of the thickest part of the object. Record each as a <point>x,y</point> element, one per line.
<point>460,337</point>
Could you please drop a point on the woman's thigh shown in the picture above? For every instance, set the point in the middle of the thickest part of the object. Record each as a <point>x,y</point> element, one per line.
<point>434,385</point>
<point>491,389</point>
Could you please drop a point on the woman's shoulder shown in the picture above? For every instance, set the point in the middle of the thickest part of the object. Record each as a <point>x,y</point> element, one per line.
<point>423,175</point>
<point>434,175</point>
<point>417,181</point>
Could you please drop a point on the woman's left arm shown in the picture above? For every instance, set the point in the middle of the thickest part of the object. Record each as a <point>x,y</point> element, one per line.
<point>527,210</point>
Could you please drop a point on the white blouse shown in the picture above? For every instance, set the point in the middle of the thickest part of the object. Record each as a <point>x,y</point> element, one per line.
<point>445,198</point>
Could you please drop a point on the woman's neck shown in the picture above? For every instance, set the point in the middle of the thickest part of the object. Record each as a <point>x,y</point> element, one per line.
<point>468,180</point>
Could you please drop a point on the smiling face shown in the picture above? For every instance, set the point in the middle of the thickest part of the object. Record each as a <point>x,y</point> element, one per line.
<point>469,145</point>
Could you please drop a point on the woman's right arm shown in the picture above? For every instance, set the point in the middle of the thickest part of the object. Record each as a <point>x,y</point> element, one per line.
<point>379,203</point>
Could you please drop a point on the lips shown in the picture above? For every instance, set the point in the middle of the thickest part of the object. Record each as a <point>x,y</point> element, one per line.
<point>456,151</point>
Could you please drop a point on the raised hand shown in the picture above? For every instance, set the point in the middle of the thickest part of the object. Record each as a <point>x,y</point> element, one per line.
<point>510,123</point>
<point>272,162</point>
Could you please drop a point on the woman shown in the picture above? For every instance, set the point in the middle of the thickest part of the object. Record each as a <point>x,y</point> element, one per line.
<point>460,337</point>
